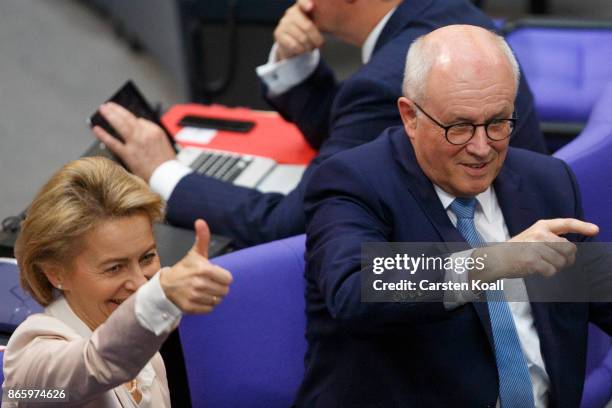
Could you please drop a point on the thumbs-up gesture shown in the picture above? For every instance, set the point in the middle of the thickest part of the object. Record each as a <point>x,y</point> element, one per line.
<point>194,284</point>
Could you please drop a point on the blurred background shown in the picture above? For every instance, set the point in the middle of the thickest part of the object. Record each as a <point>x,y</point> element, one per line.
<point>59,59</point>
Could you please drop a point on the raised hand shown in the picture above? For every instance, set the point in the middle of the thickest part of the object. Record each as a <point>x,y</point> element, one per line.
<point>539,249</point>
<point>296,33</point>
<point>145,145</point>
<point>194,284</point>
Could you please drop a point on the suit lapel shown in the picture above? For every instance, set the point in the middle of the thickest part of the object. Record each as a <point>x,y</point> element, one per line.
<point>518,206</point>
<point>421,188</point>
<point>521,210</point>
<point>425,194</point>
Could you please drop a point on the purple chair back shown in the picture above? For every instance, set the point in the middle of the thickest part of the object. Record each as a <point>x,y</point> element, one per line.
<point>566,68</point>
<point>1,365</point>
<point>589,157</point>
<point>250,351</point>
<point>15,304</point>
<point>598,383</point>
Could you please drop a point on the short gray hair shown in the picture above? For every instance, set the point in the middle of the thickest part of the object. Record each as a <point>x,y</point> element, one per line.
<point>422,56</point>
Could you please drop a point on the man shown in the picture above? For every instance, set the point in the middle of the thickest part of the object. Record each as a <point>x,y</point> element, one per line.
<point>332,116</point>
<point>447,175</point>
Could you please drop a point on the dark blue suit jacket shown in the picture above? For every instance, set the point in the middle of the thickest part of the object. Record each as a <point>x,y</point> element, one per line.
<point>420,354</point>
<point>334,117</point>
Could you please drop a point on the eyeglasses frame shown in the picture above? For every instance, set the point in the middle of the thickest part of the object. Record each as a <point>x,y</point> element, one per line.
<point>474,127</point>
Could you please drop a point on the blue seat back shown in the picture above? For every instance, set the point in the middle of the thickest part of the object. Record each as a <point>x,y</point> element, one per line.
<point>589,157</point>
<point>16,305</point>
<point>566,68</point>
<point>249,352</point>
<point>1,365</point>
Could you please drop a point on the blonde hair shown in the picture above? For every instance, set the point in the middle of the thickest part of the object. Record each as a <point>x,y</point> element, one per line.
<point>82,194</point>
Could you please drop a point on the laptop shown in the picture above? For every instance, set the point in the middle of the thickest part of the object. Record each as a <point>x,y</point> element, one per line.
<point>261,173</point>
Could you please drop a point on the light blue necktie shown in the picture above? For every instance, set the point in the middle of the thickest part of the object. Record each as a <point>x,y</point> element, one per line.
<point>515,390</point>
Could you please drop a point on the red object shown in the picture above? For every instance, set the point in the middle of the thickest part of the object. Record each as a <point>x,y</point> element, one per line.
<point>272,136</point>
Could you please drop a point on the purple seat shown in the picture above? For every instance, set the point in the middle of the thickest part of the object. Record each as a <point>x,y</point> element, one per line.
<point>250,351</point>
<point>598,383</point>
<point>16,305</point>
<point>1,364</point>
<point>566,67</point>
<point>589,157</point>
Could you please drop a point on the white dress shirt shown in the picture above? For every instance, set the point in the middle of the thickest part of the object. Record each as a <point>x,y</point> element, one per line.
<point>166,176</point>
<point>490,223</point>
<point>154,312</point>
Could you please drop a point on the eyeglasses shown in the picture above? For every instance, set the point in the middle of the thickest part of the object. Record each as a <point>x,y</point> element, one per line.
<point>461,133</point>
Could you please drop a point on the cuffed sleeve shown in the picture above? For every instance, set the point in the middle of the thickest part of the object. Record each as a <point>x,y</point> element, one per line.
<point>280,76</point>
<point>166,176</point>
<point>154,311</point>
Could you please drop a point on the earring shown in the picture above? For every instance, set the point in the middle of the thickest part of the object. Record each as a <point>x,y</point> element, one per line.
<point>59,286</point>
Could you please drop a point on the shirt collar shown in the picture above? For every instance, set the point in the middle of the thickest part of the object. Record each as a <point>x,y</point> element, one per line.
<point>484,200</point>
<point>370,42</point>
<point>61,309</point>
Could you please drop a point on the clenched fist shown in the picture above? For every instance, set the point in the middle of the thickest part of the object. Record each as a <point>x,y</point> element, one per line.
<point>194,284</point>
<point>295,33</point>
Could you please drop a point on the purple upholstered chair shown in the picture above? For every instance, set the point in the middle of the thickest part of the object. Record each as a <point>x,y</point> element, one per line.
<point>589,157</point>
<point>1,366</point>
<point>566,64</point>
<point>15,305</point>
<point>598,384</point>
<point>250,351</point>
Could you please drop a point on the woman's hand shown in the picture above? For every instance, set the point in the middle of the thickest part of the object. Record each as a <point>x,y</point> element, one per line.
<point>194,284</point>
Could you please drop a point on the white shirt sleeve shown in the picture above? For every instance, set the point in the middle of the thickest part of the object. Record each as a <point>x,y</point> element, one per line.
<point>280,76</point>
<point>154,311</point>
<point>166,176</point>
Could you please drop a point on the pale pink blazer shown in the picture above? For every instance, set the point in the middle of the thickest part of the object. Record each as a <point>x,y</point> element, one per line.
<point>55,350</point>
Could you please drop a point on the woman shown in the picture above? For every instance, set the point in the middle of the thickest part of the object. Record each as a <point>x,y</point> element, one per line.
<point>85,248</point>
